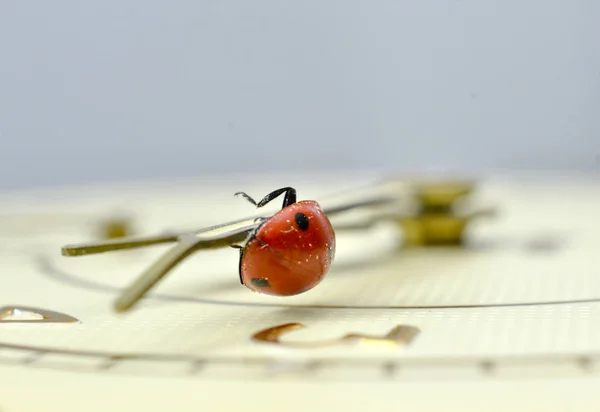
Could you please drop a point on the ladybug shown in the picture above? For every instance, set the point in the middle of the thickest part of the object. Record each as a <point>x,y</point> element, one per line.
<point>290,252</point>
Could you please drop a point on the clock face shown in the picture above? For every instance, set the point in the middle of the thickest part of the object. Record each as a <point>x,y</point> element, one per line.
<point>517,301</point>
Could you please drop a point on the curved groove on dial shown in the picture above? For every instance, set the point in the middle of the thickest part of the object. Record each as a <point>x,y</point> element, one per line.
<point>50,270</point>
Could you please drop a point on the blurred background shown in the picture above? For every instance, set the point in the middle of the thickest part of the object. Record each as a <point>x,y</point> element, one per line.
<point>107,90</point>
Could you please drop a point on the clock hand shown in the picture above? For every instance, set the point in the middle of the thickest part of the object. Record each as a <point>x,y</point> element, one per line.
<point>222,235</point>
<point>185,246</point>
<point>133,242</point>
<point>116,244</point>
<point>187,243</point>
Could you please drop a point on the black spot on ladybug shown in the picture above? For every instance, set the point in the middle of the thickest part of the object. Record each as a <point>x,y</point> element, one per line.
<point>301,221</point>
<point>260,282</point>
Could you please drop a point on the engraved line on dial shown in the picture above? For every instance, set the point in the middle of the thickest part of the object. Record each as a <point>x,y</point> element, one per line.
<point>583,362</point>
<point>49,269</point>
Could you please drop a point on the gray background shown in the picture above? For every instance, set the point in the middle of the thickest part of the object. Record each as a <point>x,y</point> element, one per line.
<point>110,90</point>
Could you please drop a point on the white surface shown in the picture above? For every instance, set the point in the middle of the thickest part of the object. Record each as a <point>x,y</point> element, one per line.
<point>100,393</point>
<point>536,351</point>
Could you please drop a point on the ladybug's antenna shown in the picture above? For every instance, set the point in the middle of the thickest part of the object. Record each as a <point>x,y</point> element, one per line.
<point>290,197</point>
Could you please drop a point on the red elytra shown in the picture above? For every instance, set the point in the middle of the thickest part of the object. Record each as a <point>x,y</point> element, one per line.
<point>290,252</point>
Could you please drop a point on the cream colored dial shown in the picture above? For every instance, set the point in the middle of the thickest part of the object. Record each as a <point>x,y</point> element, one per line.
<point>520,301</point>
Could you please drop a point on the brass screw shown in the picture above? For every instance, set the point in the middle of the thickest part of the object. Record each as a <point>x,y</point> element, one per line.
<point>116,228</point>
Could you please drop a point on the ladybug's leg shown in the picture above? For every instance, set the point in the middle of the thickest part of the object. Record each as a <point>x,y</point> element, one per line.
<point>241,249</point>
<point>290,197</point>
<point>240,264</point>
<point>247,197</point>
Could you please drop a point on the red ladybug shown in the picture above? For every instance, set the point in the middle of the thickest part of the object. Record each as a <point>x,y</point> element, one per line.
<point>289,252</point>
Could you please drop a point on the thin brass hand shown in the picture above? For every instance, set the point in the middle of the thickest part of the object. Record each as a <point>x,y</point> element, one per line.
<point>187,243</point>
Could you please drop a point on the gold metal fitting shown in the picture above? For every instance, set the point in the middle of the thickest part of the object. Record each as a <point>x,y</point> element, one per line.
<point>437,217</point>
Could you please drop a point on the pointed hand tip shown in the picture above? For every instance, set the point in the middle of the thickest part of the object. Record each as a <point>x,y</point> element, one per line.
<point>119,308</point>
<point>67,251</point>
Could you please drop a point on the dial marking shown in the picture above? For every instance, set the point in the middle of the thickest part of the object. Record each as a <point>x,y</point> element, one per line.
<point>26,314</point>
